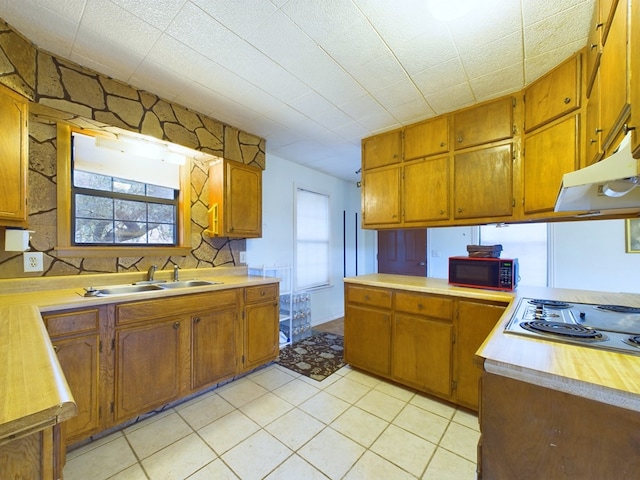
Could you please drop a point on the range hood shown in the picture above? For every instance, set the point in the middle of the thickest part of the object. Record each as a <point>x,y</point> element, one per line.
<point>610,185</point>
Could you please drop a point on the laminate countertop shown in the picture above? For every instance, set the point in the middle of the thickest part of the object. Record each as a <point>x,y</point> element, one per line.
<point>33,391</point>
<point>607,377</point>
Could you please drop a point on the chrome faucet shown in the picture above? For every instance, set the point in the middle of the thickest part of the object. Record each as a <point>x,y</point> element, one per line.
<point>150,272</point>
<point>176,275</point>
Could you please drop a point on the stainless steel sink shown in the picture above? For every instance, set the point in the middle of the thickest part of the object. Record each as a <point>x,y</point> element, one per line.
<point>188,283</point>
<point>144,287</point>
<point>120,290</point>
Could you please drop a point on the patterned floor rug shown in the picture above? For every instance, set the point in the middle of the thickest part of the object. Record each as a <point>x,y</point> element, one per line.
<point>317,356</point>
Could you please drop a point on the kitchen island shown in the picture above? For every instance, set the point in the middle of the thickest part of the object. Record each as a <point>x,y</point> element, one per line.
<point>547,409</point>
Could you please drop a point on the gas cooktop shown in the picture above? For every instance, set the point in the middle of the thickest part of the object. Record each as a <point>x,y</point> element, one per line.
<point>608,327</point>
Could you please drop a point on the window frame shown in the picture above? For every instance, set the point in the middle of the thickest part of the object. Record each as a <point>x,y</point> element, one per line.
<point>328,283</point>
<point>65,246</point>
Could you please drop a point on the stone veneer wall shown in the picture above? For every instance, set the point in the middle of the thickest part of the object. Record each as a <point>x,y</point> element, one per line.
<point>80,95</point>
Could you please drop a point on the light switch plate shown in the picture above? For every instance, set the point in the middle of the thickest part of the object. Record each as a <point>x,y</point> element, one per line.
<point>243,257</point>
<point>33,261</point>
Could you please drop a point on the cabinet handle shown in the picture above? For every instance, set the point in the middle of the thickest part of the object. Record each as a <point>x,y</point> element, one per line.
<point>592,141</point>
<point>366,297</point>
<point>441,212</point>
<point>567,100</point>
<point>420,306</point>
<point>395,155</point>
<point>593,45</point>
<point>598,130</point>
<point>460,139</point>
<point>176,325</point>
<point>626,128</point>
<point>442,144</point>
<point>459,210</point>
<point>56,348</point>
<point>196,320</point>
<point>262,293</point>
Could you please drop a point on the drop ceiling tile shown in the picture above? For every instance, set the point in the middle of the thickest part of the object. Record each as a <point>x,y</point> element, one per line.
<point>47,29</point>
<point>494,56</point>
<point>537,66</point>
<point>490,21</point>
<point>540,37</point>
<point>115,26</point>
<point>379,122</point>
<point>361,106</point>
<point>412,112</point>
<point>379,73</point>
<point>158,13</point>
<point>494,84</point>
<point>533,12</point>
<point>303,152</point>
<point>353,132</point>
<point>159,80</point>
<point>321,110</point>
<point>451,98</point>
<point>240,17</point>
<point>440,77</point>
<point>398,93</point>
<point>320,20</point>
<point>427,50</point>
<point>69,9</point>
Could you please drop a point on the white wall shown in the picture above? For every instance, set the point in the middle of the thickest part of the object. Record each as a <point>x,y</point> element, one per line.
<point>276,247</point>
<point>587,255</point>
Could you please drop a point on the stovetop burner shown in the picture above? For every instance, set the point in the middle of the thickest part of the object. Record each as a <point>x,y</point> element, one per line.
<point>577,332</point>
<point>549,303</point>
<point>619,308</point>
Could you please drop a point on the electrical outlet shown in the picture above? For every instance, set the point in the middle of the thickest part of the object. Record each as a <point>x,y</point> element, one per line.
<point>33,261</point>
<point>243,257</point>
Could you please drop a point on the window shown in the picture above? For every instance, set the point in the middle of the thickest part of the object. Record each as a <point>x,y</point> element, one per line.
<point>312,239</point>
<point>527,243</point>
<point>117,195</point>
<point>116,210</point>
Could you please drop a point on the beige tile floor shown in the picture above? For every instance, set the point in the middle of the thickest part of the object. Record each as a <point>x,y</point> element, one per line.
<point>276,424</point>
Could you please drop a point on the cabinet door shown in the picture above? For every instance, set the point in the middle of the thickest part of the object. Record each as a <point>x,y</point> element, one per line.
<point>367,339</point>
<point>381,150</point>
<point>243,200</point>
<point>593,126</point>
<point>548,154</point>
<point>14,158</point>
<point>426,138</point>
<point>422,353</point>
<point>594,49</point>
<point>261,333</point>
<point>426,190</point>
<point>214,350</point>
<point>613,77</point>
<point>79,359</point>
<point>553,95</point>
<point>486,123</point>
<point>475,322</point>
<point>148,362</point>
<point>381,196</point>
<point>483,185</point>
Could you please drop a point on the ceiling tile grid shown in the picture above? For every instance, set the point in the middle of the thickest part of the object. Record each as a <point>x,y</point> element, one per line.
<point>312,77</point>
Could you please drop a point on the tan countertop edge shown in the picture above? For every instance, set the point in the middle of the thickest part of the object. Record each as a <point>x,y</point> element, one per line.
<point>33,391</point>
<point>608,377</point>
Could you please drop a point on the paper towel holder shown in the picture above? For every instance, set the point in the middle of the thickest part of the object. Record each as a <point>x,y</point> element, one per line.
<point>17,240</point>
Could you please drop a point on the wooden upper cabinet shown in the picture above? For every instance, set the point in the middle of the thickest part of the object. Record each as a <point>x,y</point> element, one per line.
<point>14,160</point>
<point>426,138</point>
<point>381,196</point>
<point>486,123</point>
<point>426,190</point>
<point>553,95</point>
<point>594,49</point>
<point>235,204</point>
<point>483,182</point>
<point>613,77</point>
<point>634,71</point>
<point>549,153</point>
<point>593,126</point>
<point>381,150</point>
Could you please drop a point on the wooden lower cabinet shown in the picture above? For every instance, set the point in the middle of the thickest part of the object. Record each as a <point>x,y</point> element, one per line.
<point>475,321</point>
<point>531,432</point>
<point>424,341</point>
<point>39,455</point>
<point>214,346</point>
<point>422,351</point>
<point>149,362</point>
<point>76,339</point>
<point>261,333</point>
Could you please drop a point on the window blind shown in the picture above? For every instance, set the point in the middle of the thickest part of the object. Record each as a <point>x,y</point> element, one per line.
<point>312,239</point>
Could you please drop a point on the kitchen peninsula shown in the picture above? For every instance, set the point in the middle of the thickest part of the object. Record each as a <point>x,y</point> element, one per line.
<point>546,409</point>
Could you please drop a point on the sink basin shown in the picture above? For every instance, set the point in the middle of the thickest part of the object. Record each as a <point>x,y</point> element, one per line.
<point>121,290</point>
<point>188,283</point>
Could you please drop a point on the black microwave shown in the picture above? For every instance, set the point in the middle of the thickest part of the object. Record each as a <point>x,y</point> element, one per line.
<point>481,272</point>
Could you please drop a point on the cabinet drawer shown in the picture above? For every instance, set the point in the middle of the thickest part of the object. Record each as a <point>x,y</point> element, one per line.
<point>68,323</point>
<point>483,124</point>
<point>181,305</point>
<point>369,296</point>
<point>262,292</point>
<point>427,305</point>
